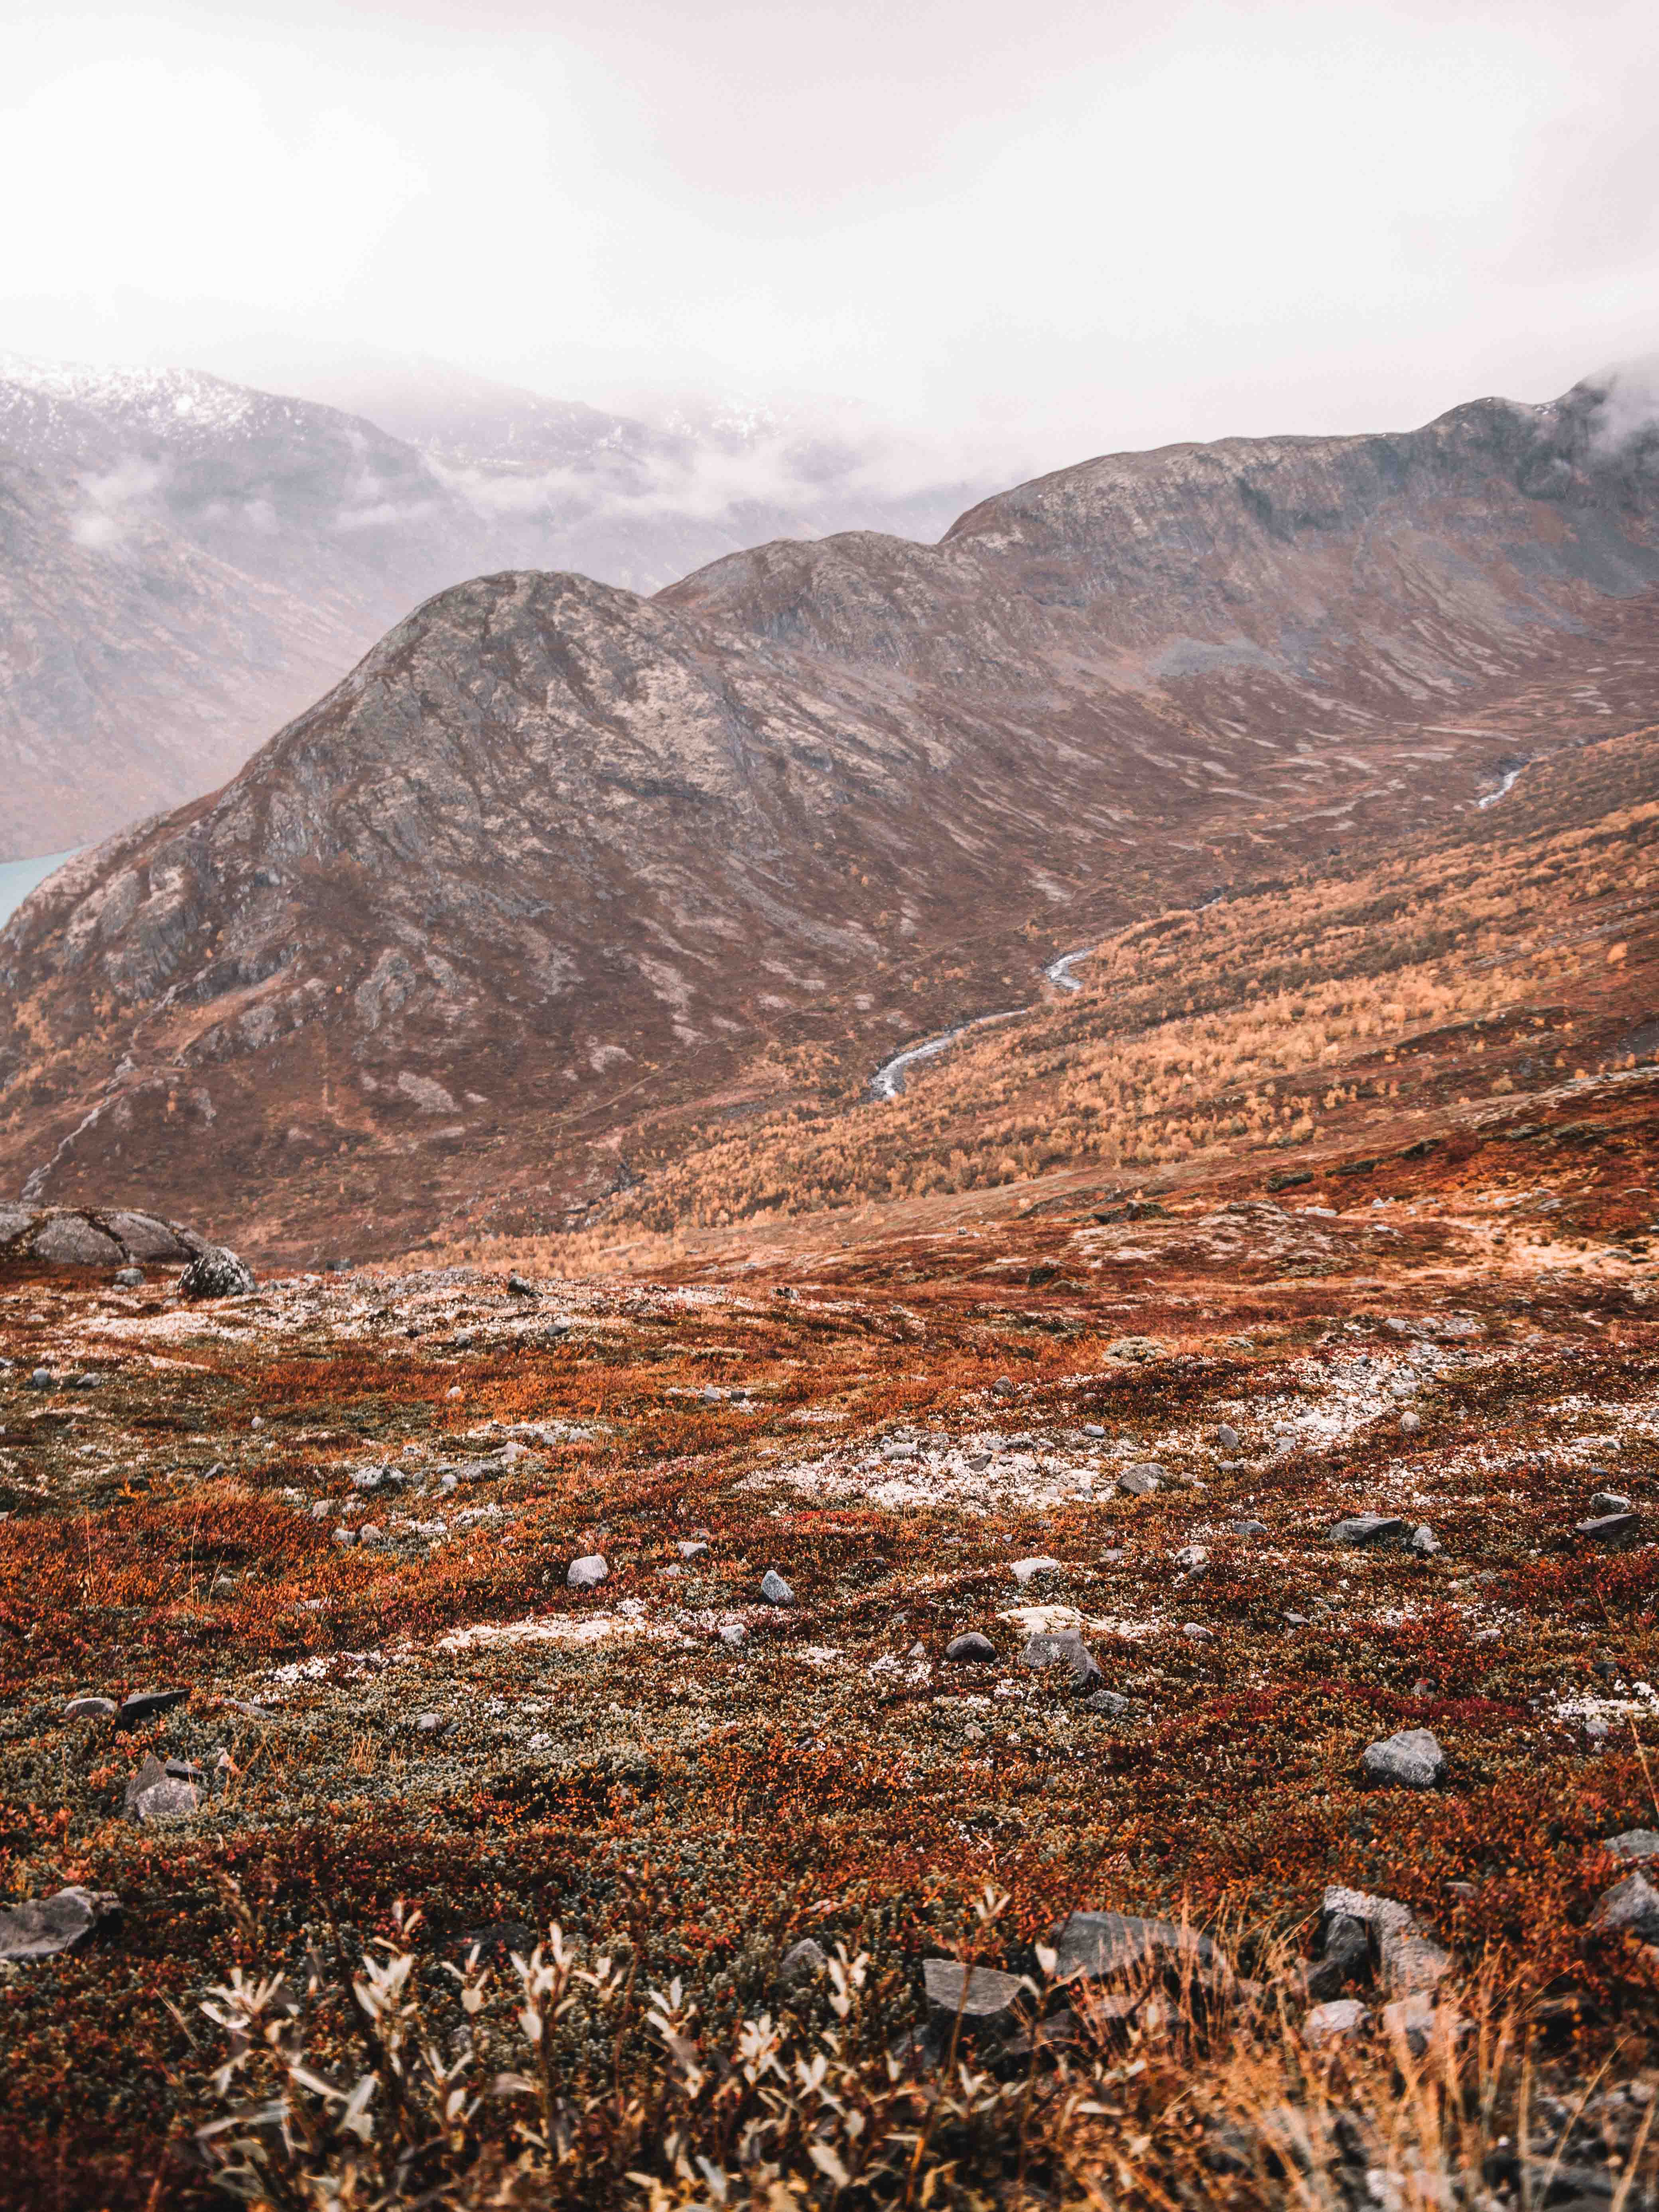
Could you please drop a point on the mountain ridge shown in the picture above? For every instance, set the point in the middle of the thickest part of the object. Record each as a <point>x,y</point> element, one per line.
<point>552,846</point>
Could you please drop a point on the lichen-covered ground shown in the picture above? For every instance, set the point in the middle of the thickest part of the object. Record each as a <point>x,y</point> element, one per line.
<point>340,1513</point>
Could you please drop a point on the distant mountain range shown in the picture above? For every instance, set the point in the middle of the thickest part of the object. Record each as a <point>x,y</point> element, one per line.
<point>185,563</point>
<point>559,862</point>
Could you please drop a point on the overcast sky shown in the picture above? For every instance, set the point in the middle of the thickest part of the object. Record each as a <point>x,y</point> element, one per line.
<point>1057,228</point>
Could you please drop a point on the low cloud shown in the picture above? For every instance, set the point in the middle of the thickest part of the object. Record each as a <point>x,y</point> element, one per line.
<point>115,504</point>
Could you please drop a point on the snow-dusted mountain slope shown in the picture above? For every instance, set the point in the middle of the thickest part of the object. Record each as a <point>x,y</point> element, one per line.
<point>186,562</point>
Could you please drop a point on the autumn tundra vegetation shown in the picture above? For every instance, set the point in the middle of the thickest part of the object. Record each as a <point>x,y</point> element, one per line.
<point>1081,1637</point>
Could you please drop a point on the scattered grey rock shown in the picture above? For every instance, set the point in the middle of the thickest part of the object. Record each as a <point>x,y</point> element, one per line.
<point>1608,1501</point>
<point>43,1926</point>
<point>970,1650</point>
<point>896,1450</point>
<point>1417,2021</point>
<point>1411,1421</point>
<point>587,1573</point>
<point>89,1709</point>
<point>1192,1558</point>
<point>1424,1542</point>
<point>1365,1530</point>
<point>1226,1437</point>
<point>688,1549</point>
<point>1615,1529</point>
<point>1196,1632</point>
<point>345,1536</point>
<point>802,1962</point>
<point>1093,1428</point>
<point>1634,1843</point>
<point>1111,1702</point>
<point>978,1993</point>
<point>733,1634</point>
<point>428,1723</point>
<point>1630,1907</point>
<point>40,1379</point>
<point>1108,1946</point>
<point>1142,1481</point>
<point>1003,1387</point>
<point>217,1272</point>
<point>1338,2016</point>
<point>1412,1757</point>
<point>1067,1649</point>
<point>147,1705</point>
<point>774,1589</point>
<point>162,1791</point>
<point>130,1278</point>
<point>1248,1528</point>
<point>520,1289</point>
<point>1026,1570</point>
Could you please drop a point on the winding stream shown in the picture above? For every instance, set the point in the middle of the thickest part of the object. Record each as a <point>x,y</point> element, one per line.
<point>888,1081</point>
<point>1512,777</point>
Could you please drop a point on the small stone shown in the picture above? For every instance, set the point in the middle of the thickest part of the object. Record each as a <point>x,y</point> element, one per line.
<point>978,1993</point>
<point>1195,1633</point>
<point>1424,1542</point>
<point>217,1272</point>
<point>1608,1501</point>
<point>1340,2016</point>
<point>690,1550</point>
<point>1093,1428</point>
<point>1610,1528</point>
<point>1067,1649</point>
<point>1111,1702</point>
<point>733,1633</point>
<point>89,1709</point>
<point>1412,1757</point>
<point>774,1589</point>
<point>1142,1481</point>
<point>520,1289</point>
<point>146,1706</point>
<point>130,1278</point>
<point>1634,1843</point>
<point>587,1573</point>
<point>1112,1945</point>
<point>1364,1530</point>
<point>42,1927</point>
<point>972,1649</point>
<point>1192,1558</point>
<point>162,1791</point>
<point>1026,1570</point>
<point>1226,1437</point>
<point>1249,1528</point>
<point>1413,2021</point>
<point>1003,1387</point>
<point>40,1379</point>
<point>344,1535</point>
<point>802,1962</point>
<point>371,1532</point>
<point>428,1723</point>
<point>1411,1422</point>
<point>1630,1907</point>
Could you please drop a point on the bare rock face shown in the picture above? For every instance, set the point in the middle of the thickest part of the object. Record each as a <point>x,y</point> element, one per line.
<point>553,848</point>
<point>88,1237</point>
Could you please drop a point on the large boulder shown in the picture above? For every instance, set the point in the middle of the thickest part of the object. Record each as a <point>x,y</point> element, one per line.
<point>217,1272</point>
<point>93,1236</point>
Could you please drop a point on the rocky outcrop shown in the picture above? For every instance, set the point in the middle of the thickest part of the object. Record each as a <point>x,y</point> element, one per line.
<point>93,1236</point>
